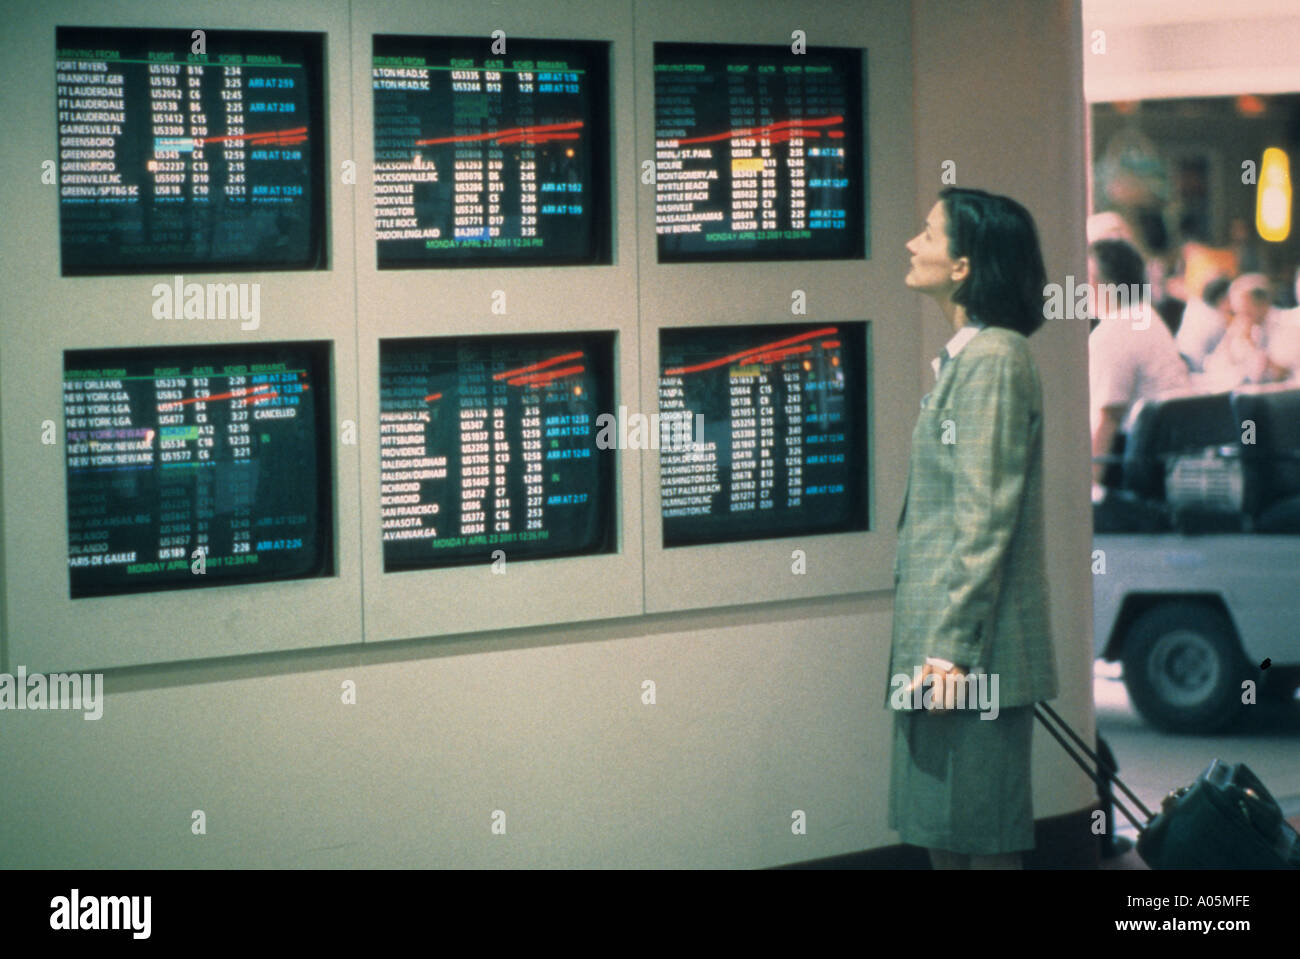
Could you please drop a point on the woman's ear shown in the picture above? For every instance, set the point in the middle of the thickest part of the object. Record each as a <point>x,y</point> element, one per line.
<point>960,269</point>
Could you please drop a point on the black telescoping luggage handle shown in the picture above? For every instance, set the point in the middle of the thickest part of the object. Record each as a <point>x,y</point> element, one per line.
<point>1042,711</point>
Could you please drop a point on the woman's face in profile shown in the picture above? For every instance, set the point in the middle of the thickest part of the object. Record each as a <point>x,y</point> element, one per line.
<point>931,266</point>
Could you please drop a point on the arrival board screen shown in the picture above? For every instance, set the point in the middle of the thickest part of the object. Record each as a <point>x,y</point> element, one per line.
<point>489,443</point>
<point>484,159</point>
<point>758,153</point>
<point>783,450</point>
<point>197,466</point>
<point>179,151</point>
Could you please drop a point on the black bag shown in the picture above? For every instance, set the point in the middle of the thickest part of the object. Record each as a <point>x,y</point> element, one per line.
<point>1225,819</point>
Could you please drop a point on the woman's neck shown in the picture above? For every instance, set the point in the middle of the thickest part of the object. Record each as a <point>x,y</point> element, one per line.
<point>955,313</point>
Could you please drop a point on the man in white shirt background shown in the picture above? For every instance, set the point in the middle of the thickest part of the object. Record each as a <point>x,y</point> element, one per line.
<point>1205,320</point>
<point>1131,353</point>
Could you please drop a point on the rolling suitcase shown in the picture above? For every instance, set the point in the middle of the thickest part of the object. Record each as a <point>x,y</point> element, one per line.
<point>1225,819</point>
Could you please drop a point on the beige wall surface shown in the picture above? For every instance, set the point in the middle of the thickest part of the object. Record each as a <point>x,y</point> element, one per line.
<point>760,710</point>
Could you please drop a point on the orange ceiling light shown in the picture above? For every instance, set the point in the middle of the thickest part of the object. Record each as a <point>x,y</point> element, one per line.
<point>1249,105</point>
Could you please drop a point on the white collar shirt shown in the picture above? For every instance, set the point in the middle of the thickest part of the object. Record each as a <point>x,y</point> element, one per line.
<point>955,346</point>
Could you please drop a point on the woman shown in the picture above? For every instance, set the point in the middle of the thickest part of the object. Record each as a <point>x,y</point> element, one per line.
<point>970,577</point>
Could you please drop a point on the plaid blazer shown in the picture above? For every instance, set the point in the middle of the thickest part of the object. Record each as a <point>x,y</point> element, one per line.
<point>970,578</point>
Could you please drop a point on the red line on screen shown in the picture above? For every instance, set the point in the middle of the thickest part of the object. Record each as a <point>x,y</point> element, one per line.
<point>776,356</point>
<point>432,396</point>
<point>752,354</point>
<point>497,134</point>
<point>298,133</point>
<point>545,138</point>
<point>540,379</point>
<point>232,395</point>
<point>562,358</point>
<point>784,135</point>
<point>766,128</point>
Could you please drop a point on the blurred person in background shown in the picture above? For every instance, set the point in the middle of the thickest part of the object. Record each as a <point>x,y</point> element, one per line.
<point>1205,320</point>
<point>1243,355</point>
<point>1131,353</point>
<point>1171,311</point>
<point>1150,238</point>
<point>1202,262</point>
<point>1284,337</point>
<point>1161,259</point>
<point>1242,242</point>
<point>1109,226</point>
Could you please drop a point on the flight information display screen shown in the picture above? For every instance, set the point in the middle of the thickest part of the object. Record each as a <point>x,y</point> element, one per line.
<point>758,153</point>
<point>783,450</point>
<point>490,442</point>
<point>488,160</point>
<point>197,466</point>
<point>189,150</point>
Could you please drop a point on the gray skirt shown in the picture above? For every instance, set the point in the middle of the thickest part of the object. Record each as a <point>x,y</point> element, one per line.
<point>961,783</point>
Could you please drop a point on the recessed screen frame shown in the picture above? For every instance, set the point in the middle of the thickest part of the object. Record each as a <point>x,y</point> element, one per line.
<point>311,250</point>
<point>851,63</point>
<point>594,55</point>
<point>524,350</point>
<point>695,351</point>
<point>315,357</point>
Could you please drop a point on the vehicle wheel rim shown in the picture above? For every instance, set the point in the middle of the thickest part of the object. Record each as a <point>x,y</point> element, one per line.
<point>1183,668</point>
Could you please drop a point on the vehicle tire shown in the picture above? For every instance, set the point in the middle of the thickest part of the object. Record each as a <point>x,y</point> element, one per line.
<point>1183,668</point>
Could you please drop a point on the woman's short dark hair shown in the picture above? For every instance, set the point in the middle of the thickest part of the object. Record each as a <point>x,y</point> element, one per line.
<point>1118,261</point>
<point>1007,277</point>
